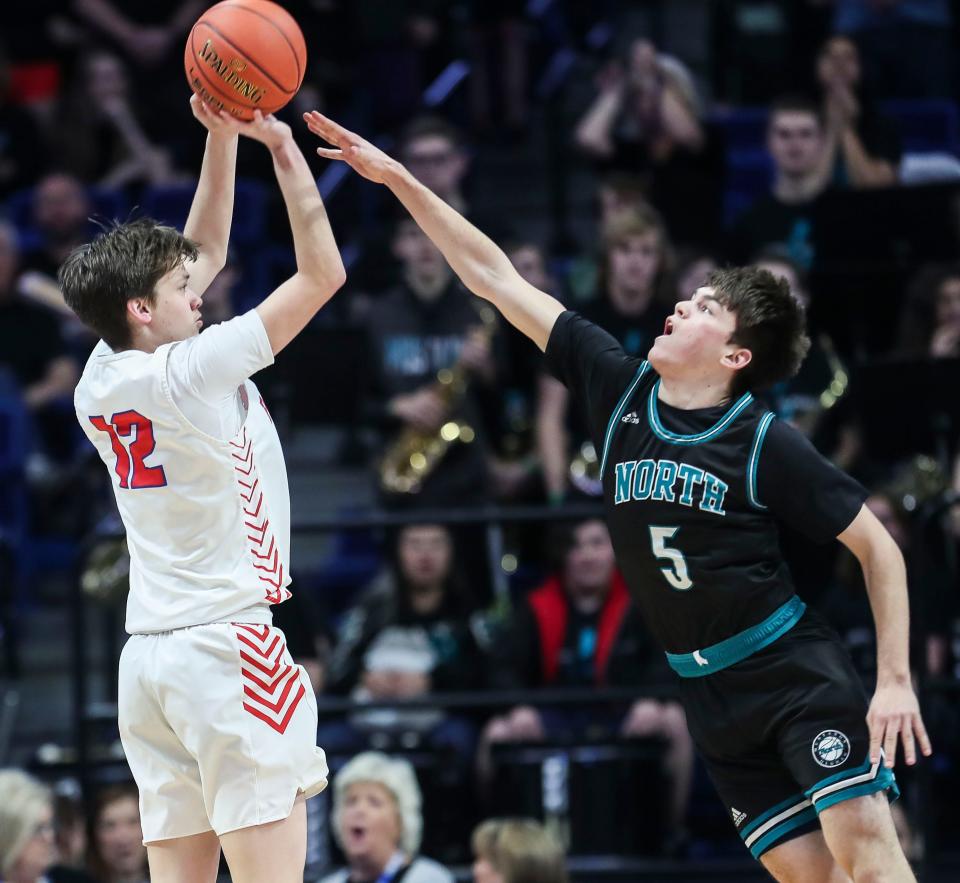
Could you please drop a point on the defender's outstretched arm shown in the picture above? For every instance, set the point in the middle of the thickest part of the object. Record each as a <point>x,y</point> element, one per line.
<point>481,265</point>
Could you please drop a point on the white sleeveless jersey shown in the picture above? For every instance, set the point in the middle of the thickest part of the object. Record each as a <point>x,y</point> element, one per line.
<point>207,518</point>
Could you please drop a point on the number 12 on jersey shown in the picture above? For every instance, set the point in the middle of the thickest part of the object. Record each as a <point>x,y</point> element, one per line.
<point>677,574</point>
<point>130,466</point>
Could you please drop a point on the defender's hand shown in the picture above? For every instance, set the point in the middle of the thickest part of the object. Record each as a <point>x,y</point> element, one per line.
<point>218,122</point>
<point>895,711</point>
<point>365,159</point>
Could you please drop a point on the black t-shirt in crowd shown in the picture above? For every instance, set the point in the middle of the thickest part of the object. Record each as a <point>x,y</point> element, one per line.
<point>30,339</point>
<point>693,497</point>
<point>770,221</point>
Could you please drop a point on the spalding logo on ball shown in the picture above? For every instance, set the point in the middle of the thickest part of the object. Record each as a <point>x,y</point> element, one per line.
<point>245,55</point>
<point>830,748</point>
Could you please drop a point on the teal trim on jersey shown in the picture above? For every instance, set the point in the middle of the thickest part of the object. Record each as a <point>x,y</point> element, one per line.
<point>880,783</point>
<point>719,656</point>
<point>615,417</point>
<point>771,838</point>
<point>770,813</point>
<point>664,434</point>
<point>762,428</point>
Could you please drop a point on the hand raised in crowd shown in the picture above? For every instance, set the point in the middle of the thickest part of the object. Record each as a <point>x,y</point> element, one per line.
<point>945,342</point>
<point>423,408</point>
<point>147,45</point>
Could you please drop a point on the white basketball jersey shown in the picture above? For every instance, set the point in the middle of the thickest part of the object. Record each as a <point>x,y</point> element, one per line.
<point>207,518</point>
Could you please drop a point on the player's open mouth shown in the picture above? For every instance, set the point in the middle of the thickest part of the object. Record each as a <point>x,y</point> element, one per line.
<point>668,325</point>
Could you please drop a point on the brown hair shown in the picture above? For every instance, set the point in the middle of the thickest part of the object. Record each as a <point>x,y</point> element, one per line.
<point>124,262</point>
<point>521,850</point>
<point>107,797</point>
<point>639,222</point>
<point>797,103</point>
<point>771,323</point>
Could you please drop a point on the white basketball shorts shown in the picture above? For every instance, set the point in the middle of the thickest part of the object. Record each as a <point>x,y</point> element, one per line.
<point>219,728</point>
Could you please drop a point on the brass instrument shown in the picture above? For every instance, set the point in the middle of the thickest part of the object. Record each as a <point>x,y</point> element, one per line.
<point>106,573</point>
<point>414,455</point>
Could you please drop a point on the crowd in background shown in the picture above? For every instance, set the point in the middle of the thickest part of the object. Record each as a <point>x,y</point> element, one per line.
<point>818,138</point>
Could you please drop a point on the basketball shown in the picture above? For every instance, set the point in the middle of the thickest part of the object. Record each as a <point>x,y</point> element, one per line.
<point>245,55</point>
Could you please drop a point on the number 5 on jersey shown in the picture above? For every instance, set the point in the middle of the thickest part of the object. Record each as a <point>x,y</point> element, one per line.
<point>677,573</point>
<point>130,466</point>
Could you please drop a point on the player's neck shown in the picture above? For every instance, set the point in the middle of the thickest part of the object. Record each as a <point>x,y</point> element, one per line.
<point>690,394</point>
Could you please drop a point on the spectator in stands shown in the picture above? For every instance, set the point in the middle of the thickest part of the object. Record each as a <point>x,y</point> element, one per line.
<point>517,851</point>
<point>27,845</point>
<point>407,637</point>
<point>645,120</point>
<point>109,142</point>
<point>635,284</point>
<point>117,853</point>
<point>796,142</point>
<point>864,144</point>
<point>21,155</point>
<point>35,353</point>
<point>61,210</point>
<point>930,325</point>
<point>580,629</point>
<point>427,323</point>
<point>693,266</point>
<point>907,45</point>
<point>378,823</point>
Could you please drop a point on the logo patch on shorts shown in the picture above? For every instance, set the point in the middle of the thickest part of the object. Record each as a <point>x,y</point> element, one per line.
<point>830,748</point>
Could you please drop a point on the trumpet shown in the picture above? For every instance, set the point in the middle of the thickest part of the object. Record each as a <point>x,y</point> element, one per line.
<point>415,454</point>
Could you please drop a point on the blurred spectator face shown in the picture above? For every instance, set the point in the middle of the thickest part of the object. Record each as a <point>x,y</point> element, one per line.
<point>425,553</point>
<point>436,162</point>
<point>370,824</point>
<point>641,59</point>
<point>60,206</point>
<point>881,506</point>
<point>119,837</point>
<point>947,304</point>
<point>634,261</point>
<point>484,872</point>
<point>529,262</point>
<point>39,853</point>
<point>9,258</point>
<point>589,564</point>
<point>787,272</point>
<point>795,141</point>
<point>693,276</point>
<point>416,252</point>
<point>619,199</point>
<point>106,78</point>
<point>839,63</point>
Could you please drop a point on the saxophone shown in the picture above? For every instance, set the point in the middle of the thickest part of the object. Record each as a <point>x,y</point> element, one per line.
<point>415,454</point>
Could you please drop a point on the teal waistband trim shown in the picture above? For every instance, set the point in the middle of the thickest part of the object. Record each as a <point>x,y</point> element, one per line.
<point>740,646</point>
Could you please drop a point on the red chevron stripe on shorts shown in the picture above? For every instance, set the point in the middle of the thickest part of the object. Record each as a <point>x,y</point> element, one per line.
<point>268,681</point>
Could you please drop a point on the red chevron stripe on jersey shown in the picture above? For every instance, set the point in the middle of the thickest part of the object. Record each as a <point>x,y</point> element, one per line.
<point>272,687</point>
<point>261,541</point>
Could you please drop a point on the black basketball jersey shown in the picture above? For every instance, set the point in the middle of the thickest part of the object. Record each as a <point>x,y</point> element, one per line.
<point>693,496</point>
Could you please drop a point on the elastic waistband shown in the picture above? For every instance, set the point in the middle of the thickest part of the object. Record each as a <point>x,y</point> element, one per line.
<point>733,650</point>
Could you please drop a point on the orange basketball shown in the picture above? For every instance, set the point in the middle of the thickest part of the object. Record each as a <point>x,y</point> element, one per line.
<point>245,55</point>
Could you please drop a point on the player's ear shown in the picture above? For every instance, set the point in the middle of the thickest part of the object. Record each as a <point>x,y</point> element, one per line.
<point>737,359</point>
<point>138,309</point>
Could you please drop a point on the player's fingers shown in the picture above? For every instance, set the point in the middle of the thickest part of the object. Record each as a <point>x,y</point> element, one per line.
<point>876,736</point>
<point>892,730</point>
<point>909,747</point>
<point>330,152</point>
<point>925,747</point>
<point>257,116</point>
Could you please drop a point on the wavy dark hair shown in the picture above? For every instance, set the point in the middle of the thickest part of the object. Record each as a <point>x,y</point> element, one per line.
<point>771,323</point>
<point>124,262</point>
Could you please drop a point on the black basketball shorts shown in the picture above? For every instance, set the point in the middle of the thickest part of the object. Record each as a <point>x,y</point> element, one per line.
<point>784,734</point>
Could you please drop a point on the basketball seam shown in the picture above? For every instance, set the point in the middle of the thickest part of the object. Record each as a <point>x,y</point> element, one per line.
<point>277,29</point>
<point>246,57</point>
<point>214,84</point>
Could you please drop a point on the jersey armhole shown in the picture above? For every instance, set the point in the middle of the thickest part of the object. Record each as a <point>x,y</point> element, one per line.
<point>615,416</point>
<point>752,463</point>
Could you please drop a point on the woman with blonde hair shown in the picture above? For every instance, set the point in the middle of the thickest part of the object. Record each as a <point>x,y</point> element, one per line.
<point>378,823</point>
<point>517,851</point>
<point>27,845</point>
